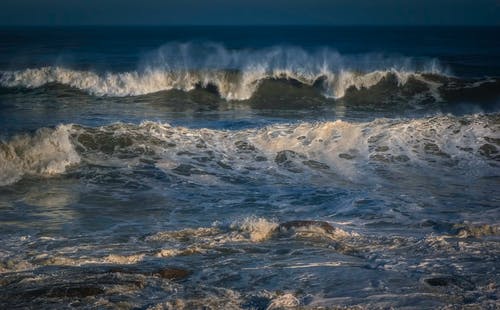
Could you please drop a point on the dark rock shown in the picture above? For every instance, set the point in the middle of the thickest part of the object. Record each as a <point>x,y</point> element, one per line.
<point>298,224</point>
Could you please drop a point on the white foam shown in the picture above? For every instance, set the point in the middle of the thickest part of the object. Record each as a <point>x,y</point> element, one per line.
<point>124,259</point>
<point>285,301</point>
<point>332,148</point>
<point>47,152</point>
<point>256,229</point>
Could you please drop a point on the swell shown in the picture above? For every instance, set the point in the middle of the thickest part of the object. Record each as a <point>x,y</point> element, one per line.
<point>235,74</point>
<point>467,145</point>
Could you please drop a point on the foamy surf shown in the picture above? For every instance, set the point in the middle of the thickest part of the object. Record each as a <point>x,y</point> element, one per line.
<point>238,233</point>
<point>47,152</point>
<point>348,149</point>
<point>266,172</point>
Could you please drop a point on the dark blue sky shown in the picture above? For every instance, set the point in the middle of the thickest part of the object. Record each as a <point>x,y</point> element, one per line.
<point>238,12</point>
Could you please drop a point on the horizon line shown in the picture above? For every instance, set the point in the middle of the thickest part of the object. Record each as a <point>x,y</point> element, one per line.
<point>250,25</point>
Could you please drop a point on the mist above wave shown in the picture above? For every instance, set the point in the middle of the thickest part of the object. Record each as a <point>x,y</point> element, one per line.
<point>235,74</point>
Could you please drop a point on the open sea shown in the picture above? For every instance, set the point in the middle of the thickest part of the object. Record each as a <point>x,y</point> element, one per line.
<point>250,167</point>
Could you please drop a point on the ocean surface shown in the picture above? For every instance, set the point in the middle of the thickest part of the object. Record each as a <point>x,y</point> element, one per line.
<point>249,167</point>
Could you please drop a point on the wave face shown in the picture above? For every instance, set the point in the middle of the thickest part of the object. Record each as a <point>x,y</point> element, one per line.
<point>355,151</point>
<point>236,74</point>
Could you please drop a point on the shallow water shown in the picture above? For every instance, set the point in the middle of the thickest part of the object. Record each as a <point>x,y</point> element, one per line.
<point>131,179</point>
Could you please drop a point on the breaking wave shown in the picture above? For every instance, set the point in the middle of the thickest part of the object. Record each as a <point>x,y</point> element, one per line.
<point>468,145</point>
<point>47,152</point>
<point>234,74</point>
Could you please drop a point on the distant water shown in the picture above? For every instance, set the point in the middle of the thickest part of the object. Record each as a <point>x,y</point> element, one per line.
<point>249,167</point>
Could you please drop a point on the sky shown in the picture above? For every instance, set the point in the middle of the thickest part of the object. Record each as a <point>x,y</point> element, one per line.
<point>244,12</point>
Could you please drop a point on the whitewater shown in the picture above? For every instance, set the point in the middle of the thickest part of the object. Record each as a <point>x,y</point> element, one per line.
<point>249,167</point>
<point>468,145</point>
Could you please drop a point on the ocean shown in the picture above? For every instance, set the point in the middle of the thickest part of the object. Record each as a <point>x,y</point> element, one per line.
<point>249,167</point>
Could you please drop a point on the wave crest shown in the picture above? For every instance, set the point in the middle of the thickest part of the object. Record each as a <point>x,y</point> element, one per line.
<point>235,73</point>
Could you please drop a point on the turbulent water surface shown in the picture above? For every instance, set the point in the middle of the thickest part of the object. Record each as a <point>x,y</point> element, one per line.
<point>249,168</point>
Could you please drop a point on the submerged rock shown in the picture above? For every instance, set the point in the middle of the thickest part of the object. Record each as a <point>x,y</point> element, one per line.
<point>300,224</point>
